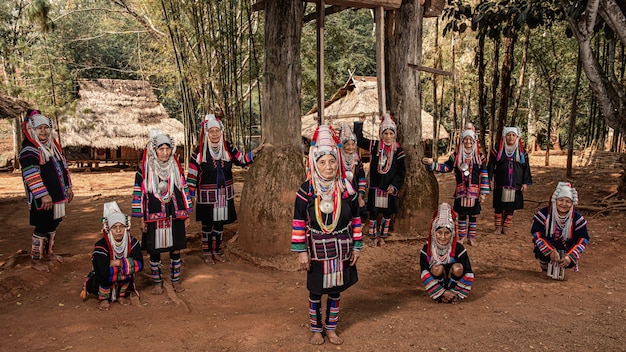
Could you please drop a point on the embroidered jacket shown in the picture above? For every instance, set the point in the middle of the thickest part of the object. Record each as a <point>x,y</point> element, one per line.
<point>435,286</point>
<point>573,247</point>
<point>103,254</point>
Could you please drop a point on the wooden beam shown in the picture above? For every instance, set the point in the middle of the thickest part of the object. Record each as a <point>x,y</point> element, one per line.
<point>362,4</point>
<point>327,12</point>
<point>430,70</point>
<point>379,17</point>
<point>320,61</point>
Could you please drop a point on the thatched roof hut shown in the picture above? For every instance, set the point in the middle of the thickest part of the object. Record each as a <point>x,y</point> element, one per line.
<point>358,97</point>
<point>11,107</point>
<point>113,113</point>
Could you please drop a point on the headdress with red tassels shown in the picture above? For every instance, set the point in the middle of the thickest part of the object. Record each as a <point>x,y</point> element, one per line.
<point>444,216</point>
<point>516,151</point>
<point>219,150</point>
<point>47,149</point>
<point>326,142</point>
<point>474,154</point>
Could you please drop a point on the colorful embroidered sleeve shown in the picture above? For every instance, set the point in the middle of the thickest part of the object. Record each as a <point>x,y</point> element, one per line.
<point>192,174</point>
<point>484,179</point>
<point>443,168</point>
<point>29,159</point>
<point>239,158</point>
<point>357,237</point>
<point>538,231</point>
<point>432,286</point>
<point>138,196</point>
<point>362,180</point>
<point>581,235</point>
<point>298,229</point>
<point>464,284</point>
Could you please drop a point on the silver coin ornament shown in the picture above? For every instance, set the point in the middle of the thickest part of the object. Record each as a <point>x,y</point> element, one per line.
<point>465,168</point>
<point>163,186</point>
<point>326,206</point>
<point>349,175</point>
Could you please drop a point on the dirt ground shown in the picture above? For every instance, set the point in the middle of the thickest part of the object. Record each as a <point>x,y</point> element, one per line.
<point>244,306</point>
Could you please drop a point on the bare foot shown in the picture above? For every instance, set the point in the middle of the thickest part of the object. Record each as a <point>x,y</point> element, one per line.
<point>333,338</point>
<point>317,338</point>
<point>178,287</point>
<point>472,242</point>
<point>462,240</point>
<point>52,256</point>
<point>39,265</point>
<point>373,242</point>
<point>505,230</point>
<point>124,301</point>
<point>498,230</point>
<point>207,259</point>
<point>218,257</point>
<point>104,305</point>
<point>381,242</point>
<point>157,289</point>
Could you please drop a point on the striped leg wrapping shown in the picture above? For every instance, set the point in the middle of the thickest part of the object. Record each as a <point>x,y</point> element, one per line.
<point>508,218</point>
<point>372,228</point>
<point>315,315</point>
<point>38,247</point>
<point>217,240</point>
<point>332,313</point>
<point>206,236</point>
<point>497,219</point>
<point>175,269</point>
<point>472,229</point>
<point>462,228</point>
<point>385,227</point>
<point>155,272</point>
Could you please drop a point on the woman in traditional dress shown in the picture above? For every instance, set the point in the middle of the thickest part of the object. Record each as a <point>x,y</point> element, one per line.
<point>509,172</point>
<point>210,179</point>
<point>115,259</point>
<point>354,167</point>
<point>326,232</point>
<point>446,271</point>
<point>161,200</point>
<point>559,232</point>
<point>48,185</point>
<point>472,182</point>
<point>386,176</point>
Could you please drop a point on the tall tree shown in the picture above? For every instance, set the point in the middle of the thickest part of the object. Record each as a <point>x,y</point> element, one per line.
<point>419,195</point>
<point>268,195</point>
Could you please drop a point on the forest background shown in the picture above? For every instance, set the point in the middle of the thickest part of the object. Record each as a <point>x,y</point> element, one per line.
<point>516,59</point>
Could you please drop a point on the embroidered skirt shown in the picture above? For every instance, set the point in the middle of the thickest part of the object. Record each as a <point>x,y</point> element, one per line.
<point>324,273</point>
<point>154,244</point>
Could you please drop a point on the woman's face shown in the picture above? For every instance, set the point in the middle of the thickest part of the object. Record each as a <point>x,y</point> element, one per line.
<point>164,152</point>
<point>563,205</point>
<point>511,138</point>
<point>215,134</point>
<point>117,230</point>
<point>389,136</point>
<point>327,166</point>
<point>42,132</point>
<point>349,147</point>
<point>468,142</point>
<point>443,236</point>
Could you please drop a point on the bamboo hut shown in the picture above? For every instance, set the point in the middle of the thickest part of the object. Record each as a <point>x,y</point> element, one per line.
<point>358,97</point>
<point>11,112</point>
<point>113,120</point>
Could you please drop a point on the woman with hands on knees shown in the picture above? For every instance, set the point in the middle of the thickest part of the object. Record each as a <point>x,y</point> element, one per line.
<point>326,232</point>
<point>446,272</point>
<point>559,232</point>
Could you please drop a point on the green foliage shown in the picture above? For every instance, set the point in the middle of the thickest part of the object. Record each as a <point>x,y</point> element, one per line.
<point>350,46</point>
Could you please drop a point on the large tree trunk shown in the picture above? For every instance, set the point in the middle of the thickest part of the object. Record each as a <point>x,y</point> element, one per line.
<point>272,181</point>
<point>533,144</point>
<point>610,95</point>
<point>505,83</point>
<point>419,195</point>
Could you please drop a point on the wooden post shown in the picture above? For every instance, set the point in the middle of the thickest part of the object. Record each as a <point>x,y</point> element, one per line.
<point>320,61</point>
<point>379,17</point>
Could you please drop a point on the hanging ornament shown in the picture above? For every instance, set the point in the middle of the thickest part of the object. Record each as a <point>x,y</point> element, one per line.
<point>465,169</point>
<point>349,175</point>
<point>326,205</point>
